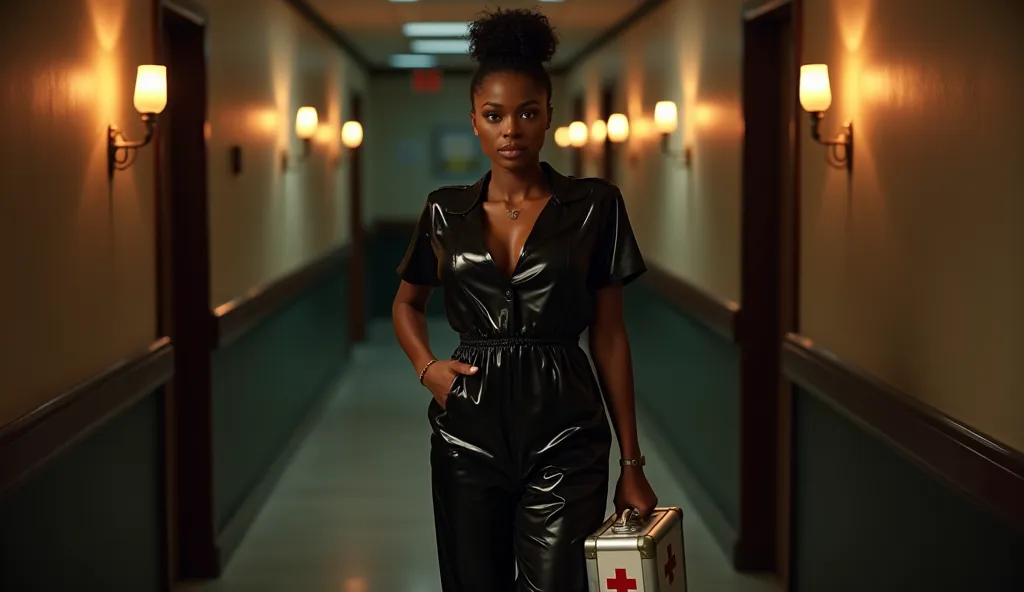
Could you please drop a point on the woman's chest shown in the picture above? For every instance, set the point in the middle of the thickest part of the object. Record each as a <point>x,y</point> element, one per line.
<point>554,249</point>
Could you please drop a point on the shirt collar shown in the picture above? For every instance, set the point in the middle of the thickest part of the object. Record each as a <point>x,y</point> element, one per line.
<point>563,190</point>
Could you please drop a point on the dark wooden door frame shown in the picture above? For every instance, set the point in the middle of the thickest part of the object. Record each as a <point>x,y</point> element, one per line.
<point>607,151</point>
<point>769,278</point>
<point>357,268</point>
<point>578,114</point>
<point>183,292</point>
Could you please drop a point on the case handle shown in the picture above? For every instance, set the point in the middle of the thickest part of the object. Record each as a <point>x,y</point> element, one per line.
<point>628,522</point>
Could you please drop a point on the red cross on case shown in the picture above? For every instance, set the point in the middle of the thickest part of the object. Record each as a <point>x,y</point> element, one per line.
<point>620,583</point>
<point>670,565</point>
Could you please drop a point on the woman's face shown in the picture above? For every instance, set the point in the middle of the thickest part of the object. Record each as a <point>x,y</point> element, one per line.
<point>511,116</point>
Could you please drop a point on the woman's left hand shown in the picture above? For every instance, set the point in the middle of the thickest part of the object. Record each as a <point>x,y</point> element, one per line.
<point>633,491</point>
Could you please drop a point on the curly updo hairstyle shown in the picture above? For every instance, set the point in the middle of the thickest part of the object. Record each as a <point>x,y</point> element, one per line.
<point>512,40</point>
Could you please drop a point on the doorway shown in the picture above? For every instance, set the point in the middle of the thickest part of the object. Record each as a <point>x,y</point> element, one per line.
<point>607,154</point>
<point>769,276</point>
<point>183,293</point>
<point>357,312</point>
<point>578,114</point>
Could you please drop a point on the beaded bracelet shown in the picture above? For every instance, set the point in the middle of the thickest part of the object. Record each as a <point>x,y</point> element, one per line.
<point>424,371</point>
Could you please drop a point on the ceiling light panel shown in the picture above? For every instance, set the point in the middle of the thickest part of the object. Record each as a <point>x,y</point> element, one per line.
<point>440,46</point>
<point>435,29</point>
<point>412,61</point>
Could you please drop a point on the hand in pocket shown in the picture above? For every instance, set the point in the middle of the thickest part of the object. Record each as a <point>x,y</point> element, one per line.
<point>441,376</point>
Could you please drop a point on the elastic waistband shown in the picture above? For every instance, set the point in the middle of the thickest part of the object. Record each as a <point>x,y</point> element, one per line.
<point>475,341</point>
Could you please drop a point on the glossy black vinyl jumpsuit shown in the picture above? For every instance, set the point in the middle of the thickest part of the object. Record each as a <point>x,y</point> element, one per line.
<point>519,453</point>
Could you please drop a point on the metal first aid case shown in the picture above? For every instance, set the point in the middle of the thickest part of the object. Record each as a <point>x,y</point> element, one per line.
<point>631,555</point>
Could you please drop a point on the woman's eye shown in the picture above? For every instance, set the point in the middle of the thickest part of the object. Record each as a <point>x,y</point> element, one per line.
<point>492,117</point>
<point>529,115</point>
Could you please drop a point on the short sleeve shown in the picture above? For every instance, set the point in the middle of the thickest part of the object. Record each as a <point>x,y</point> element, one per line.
<point>419,265</point>
<point>616,257</point>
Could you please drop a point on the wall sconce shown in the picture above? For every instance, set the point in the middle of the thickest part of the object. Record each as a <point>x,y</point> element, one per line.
<point>618,128</point>
<point>306,124</point>
<point>352,134</point>
<point>599,131</point>
<point>666,120</point>
<point>816,98</point>
<point>578,134</point>
<point>562,137</point>
<point>150,101</point>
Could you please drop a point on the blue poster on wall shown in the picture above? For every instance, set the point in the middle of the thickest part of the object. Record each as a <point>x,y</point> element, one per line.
<point>456,154</point>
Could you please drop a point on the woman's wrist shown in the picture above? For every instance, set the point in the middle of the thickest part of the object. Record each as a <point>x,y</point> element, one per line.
<point>422,370</point>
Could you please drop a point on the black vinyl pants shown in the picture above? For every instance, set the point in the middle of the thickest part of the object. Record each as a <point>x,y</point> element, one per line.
<point>519,472</point>
<point>489,524</point>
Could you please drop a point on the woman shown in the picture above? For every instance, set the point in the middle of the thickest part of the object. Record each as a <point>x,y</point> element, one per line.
<point>528,260</point>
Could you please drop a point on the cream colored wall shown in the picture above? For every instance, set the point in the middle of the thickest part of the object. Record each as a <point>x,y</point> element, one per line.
<point>79,253</point>
<point>912,269</point>
<point>266,61</point>
<point>687,219</point>
<point>401,126</point>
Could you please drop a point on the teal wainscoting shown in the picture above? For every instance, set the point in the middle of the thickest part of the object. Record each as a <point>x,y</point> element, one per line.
<point>92,519</point>
<point>867,518</point>
<point>267,382</point>
<point>687,380</point>
<point>385,248</point>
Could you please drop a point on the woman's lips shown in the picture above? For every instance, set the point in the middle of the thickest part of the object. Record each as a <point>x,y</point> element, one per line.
<point>511,151</point>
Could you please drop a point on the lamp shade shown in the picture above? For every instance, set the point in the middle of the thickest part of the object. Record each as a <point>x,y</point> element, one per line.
<point>815,91</point>
<point>578,134</point>
<point>151,89</point>
<point>666,117</point>
<point>306,122</point>
<point>562,137</point>
<point>618,128</point>
<point>352,134</point>
<point>599,131</point>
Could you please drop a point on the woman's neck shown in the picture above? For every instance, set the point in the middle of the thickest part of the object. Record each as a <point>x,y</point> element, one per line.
<point>518,185</point>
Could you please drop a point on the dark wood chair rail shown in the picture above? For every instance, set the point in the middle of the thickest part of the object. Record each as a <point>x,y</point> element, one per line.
<point>977,465</point>
<point>30,441</point>
<point>717,314</point>
<point>236,317</point>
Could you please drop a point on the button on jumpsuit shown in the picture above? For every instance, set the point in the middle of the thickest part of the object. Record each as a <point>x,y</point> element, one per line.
<point>519,453</point>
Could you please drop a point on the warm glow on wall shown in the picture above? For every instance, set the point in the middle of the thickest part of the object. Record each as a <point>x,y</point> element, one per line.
<point>352,134</point>
<point>666,117</point>
<point>306,122</point>
<point>618,128</point>
<point>562,137</point>
<point>151,89</point>
<point>815,90</point>
<point>599,131</point>
<point>578,134</point>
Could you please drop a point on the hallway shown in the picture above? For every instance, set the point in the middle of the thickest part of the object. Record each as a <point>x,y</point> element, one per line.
<point>352,511</point>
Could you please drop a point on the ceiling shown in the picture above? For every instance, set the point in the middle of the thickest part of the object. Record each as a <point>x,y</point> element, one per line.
<point>374,27</point>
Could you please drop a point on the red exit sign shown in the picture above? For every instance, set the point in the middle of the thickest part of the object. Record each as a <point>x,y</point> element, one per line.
<point>426,81</point>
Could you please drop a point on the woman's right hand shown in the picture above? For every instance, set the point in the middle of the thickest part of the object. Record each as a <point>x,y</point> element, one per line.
<point>441,375</point>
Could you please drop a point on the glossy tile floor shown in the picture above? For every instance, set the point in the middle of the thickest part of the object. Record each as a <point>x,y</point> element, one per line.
<point>352,512</point>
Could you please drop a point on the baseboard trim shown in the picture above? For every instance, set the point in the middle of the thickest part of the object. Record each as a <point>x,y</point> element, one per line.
<point>971,462</point>
<point>33,440</point>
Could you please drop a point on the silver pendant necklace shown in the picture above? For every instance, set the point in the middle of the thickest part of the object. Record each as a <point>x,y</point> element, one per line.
<point>512,214</point>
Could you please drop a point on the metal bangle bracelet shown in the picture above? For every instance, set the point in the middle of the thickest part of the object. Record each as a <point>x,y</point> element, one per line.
<point>424,371</point>
<point>632,462</point>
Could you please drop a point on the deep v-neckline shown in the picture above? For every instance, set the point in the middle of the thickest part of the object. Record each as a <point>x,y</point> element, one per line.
<point>483,225</point>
